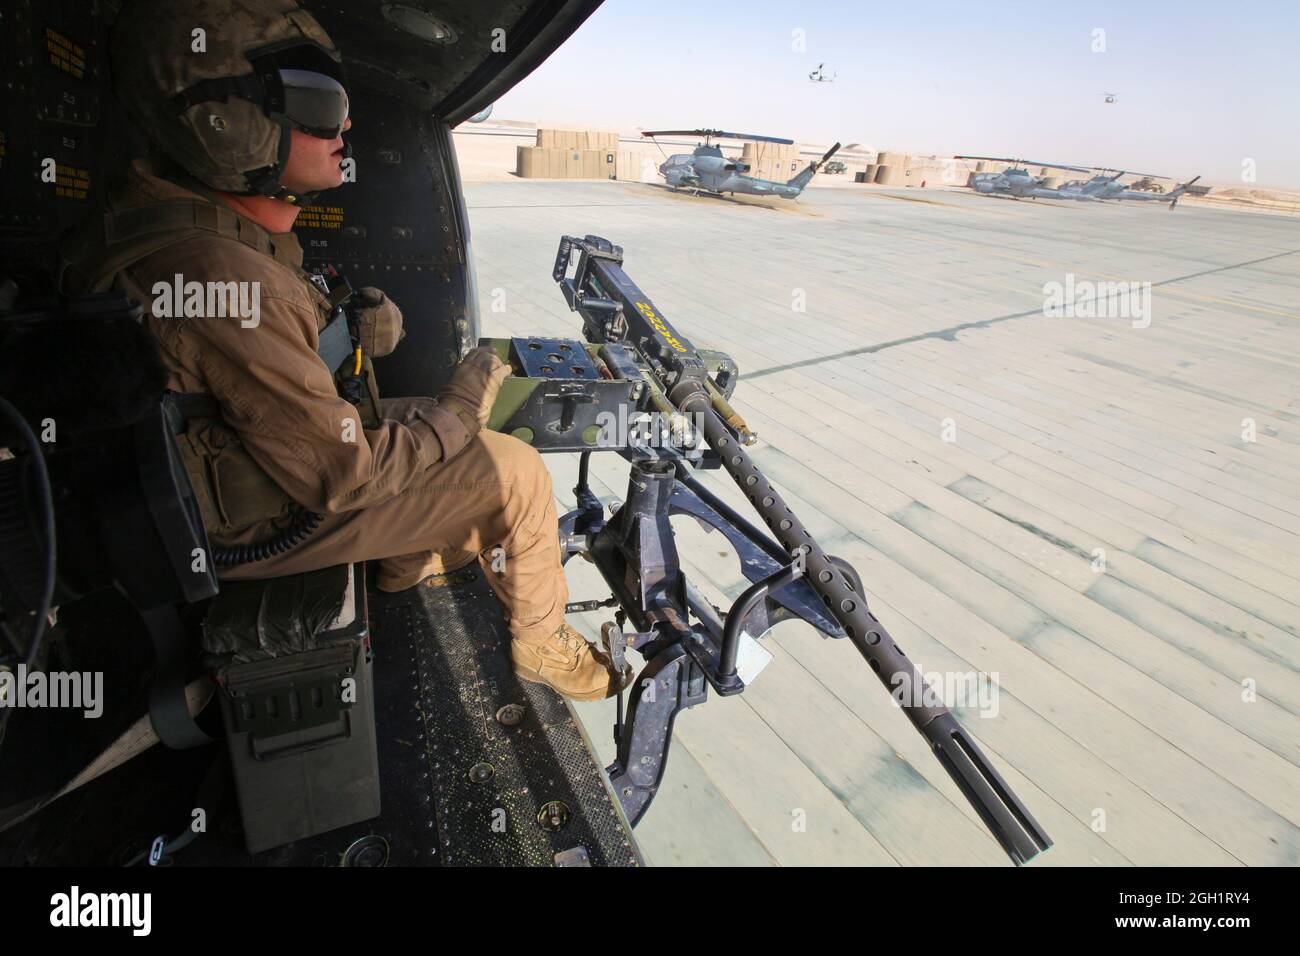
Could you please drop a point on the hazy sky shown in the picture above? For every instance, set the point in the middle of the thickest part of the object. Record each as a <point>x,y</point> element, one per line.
<point>1201,87</point>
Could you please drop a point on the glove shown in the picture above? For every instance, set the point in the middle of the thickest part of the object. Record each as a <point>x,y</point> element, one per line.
<point>473,388</point>
<point>378,321</point>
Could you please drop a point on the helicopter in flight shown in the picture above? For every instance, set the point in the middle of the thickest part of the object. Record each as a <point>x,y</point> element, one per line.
<point>819,75</point>
<point>706,169</point>
<point>1017,181</point>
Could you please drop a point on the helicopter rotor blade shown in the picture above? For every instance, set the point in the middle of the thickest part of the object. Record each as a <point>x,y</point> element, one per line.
<point>755,137</point>
<point>1127,172</point>
<point>1182,188</point>
<point>718,134</point>
<point>681,132</point>
<point>1029,162</point>
<point>1073,169</point>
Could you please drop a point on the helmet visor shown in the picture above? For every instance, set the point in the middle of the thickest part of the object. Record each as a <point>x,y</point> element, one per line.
<point>312,102</point>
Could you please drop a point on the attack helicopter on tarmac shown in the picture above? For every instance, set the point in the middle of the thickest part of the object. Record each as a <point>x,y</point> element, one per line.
<point>1102,188</point>
<point>1097,189</point>
<point>706,169</point>
<point>1170,197</point>
<point>1017,181</point>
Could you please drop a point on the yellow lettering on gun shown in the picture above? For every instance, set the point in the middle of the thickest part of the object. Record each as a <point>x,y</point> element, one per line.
<point>660,326</point>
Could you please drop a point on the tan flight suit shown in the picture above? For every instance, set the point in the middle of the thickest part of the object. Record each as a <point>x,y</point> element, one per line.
<point>384,490</point>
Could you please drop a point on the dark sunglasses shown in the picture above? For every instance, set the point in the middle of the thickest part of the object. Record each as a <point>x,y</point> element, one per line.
<point>312,102</point>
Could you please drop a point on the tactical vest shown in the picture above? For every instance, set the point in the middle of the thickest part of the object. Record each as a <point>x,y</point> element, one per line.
<point>235,494</point>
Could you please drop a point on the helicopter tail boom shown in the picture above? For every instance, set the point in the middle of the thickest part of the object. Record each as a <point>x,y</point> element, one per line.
<point>1179,190</point>
<point>803,178</point>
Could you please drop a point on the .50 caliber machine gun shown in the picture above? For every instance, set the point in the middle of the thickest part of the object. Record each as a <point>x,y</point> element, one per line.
<point>634,359</point>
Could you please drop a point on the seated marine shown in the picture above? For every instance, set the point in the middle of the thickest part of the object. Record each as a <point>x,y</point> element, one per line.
<point>243,132</point>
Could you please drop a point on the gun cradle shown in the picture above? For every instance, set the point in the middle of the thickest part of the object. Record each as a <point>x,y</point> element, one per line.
<point>563,396</point>
<point>557,400</point>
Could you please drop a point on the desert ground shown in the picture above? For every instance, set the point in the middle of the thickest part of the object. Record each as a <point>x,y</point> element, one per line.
<point>1100,513</point>
<point>486,153</point>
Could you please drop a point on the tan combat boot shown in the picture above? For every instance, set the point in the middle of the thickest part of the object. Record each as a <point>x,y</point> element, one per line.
<point>570,664</point>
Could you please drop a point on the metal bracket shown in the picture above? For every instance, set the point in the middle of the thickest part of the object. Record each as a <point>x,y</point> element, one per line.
<point>795,599</point>
<point>611,635</point>
<point>668,684</point>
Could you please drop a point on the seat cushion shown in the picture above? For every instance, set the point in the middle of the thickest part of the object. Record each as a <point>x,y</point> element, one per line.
<point>258,620</point>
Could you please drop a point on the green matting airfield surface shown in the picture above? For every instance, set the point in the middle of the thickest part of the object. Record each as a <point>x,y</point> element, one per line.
<point>1147,712</point>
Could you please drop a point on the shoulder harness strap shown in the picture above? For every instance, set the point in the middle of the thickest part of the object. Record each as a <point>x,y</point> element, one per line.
<point>135,233</point>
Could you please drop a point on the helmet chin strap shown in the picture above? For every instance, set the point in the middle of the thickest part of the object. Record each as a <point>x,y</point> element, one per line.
<point>266,181</point>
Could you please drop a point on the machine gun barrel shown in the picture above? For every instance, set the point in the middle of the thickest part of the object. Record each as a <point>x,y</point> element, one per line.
<point>626,314</point>
<point>1002,812</point>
